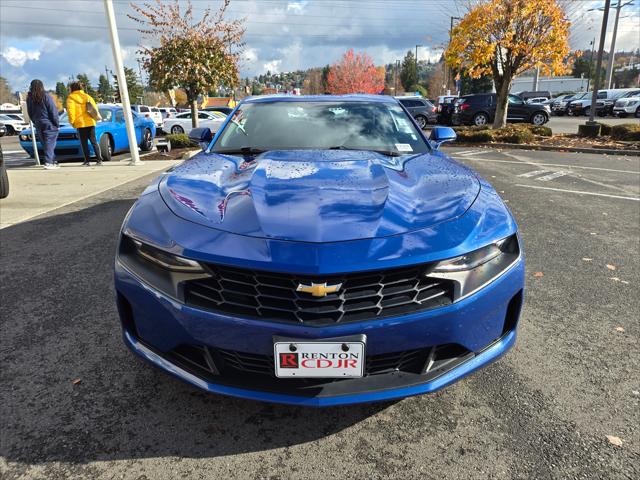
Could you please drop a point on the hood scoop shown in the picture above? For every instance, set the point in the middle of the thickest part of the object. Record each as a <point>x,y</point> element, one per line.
<point>319,196</point>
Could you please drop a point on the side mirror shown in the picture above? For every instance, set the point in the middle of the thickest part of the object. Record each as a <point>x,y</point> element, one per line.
<point>201,136</point>
<point>440,135</point>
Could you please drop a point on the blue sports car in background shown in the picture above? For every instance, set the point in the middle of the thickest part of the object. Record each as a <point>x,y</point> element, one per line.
<point>320,251</point>
<point>111,134</point>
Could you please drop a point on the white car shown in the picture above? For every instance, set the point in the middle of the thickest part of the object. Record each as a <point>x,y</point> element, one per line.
<point>181,123</point>
<point>149,112</point>
<point>167,112</point>
<point>628,104</point>
<point>14,123</point>
<point>538,100</point>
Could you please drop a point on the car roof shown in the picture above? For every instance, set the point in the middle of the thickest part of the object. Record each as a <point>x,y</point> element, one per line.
<point>321,98</point>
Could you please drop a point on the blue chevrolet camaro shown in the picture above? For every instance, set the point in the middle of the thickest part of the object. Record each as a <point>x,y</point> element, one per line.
<point>111,134</point>
<point>320,251</point>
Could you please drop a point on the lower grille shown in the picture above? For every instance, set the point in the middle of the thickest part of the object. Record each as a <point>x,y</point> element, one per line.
<point>361,296</point>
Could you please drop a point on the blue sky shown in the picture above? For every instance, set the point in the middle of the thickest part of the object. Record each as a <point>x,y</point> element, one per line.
<point>54,40</point>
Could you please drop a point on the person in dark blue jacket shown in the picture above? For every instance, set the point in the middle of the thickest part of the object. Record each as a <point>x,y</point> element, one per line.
<point>44,115</point>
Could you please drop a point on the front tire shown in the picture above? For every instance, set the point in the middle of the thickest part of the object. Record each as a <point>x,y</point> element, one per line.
<point>539,118</point>
<point>586,111</point>
<point>421,120</point>
<point>147,141</point>
<point>177,129</point>
<point>4,181</point>
<point>480,119</point>
<point>637,114</point>
<point>11,130</point>
<point>106,147</point>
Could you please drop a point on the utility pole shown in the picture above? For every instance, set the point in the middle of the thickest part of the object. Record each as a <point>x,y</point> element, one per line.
<point>448,74</point>
<point>593,46</point>
<point>122,82</point>
<point>536,79</point>
<point>612,51</point>
<point>596,80</point>
<point>417,74</point>
<point>395,78</point>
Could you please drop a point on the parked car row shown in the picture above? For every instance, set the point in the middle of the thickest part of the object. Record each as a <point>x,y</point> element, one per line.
<point>181,123</point>
<point>14,123</point>
<point>619,101</point>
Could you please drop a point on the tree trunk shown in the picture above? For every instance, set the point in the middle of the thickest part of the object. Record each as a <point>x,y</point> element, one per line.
<point>194,113</point>
<point>502,97</point>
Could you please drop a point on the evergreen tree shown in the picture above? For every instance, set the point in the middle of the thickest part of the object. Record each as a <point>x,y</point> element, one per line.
<point>62,92</point>
<point>105,90</point>
<point>133,85</point>
<point>84,80</point>
<point>408,73</point>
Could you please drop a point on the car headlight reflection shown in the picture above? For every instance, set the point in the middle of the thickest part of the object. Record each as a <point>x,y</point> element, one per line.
<point>165,259</point>
<point>474,270</point>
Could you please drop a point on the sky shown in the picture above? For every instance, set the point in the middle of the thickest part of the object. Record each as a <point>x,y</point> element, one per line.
<point>54,40</point>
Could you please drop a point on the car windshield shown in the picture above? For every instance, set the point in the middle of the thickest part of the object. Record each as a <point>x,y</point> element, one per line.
<point>291,125</point>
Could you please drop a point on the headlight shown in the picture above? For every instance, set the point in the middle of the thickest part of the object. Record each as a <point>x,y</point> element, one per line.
<point>474,270</point>
<point>158,268</point>
<point>164,259</point>
<point>24,138</point>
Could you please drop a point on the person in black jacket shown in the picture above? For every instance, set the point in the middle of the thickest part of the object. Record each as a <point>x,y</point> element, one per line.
<point>44,115</point>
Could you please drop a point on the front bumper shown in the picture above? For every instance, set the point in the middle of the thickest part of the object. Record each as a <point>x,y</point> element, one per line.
<point>484,324</point>
<point>628,109</point>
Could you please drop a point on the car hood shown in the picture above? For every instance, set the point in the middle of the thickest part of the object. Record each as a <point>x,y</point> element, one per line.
<point>319,196</point>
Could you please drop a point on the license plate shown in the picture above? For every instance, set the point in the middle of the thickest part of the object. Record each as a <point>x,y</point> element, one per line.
<point>319,359</point>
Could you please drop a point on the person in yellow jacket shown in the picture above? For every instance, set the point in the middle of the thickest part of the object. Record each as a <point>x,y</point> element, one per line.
<point>83,122</point>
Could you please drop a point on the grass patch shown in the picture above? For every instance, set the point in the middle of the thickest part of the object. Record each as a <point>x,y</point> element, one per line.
<point>627,131</point>
<point>179,140</point>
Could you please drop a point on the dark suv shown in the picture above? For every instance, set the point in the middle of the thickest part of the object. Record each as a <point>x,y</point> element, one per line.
<point>480,109</point>
<point>421,109</point>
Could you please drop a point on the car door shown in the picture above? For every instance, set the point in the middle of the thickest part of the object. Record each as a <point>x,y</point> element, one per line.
<point>517,109</point>
<point>184,120</point>
<point>118,129</point>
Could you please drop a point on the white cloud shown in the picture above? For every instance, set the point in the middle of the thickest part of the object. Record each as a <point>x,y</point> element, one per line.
<point>250,55</point>
<point>273,66</point>
<point>17,58</point>
<point>296,7</point>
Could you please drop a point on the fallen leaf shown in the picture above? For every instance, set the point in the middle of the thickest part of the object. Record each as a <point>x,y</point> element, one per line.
<point>538,274</point>
<point>611,267</point>
<point>592,233</point>
<point>619,329</point>
<point>614,440</point>
<point>635,392</point>
<point>624,281</point>
<point>615,279</point>
<point>76,381</point>
<point>587,259</point>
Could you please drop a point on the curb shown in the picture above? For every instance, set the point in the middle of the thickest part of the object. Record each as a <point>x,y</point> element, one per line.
<point>550,148</point>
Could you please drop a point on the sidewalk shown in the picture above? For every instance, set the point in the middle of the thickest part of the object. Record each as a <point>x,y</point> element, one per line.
<point>34,191</point>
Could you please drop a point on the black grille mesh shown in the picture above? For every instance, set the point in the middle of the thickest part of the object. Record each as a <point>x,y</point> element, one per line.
<point>273,296</point>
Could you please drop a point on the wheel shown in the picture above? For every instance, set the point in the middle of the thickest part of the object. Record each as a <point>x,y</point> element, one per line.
<point>147,142</point>
<point>421,120</point>
<point>637,115</point>
<point>11,130</point>
<point>480,119</point>
<point>4,180</point>
<point>539,118</point>
<point>586,111</point>
<point>176,129</point>
<point>106,147</point>
<point>624,114</point>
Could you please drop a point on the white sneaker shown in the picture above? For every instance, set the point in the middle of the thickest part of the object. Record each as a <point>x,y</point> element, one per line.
<point>48,166</point>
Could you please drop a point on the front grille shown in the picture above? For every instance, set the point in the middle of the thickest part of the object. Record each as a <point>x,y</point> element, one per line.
<point>273,296</point>
<point>67,136</point>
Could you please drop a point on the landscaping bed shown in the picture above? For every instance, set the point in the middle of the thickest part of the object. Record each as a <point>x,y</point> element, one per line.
<point>617,137</point>
<point>181,146</point>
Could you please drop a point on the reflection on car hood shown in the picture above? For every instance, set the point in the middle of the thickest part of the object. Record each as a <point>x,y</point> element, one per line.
<point>319,195</point>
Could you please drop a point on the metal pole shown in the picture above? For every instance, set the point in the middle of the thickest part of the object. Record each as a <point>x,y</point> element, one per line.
<point>596,82</point>
<point>122,82</point>
<point>417,76</point>
<point>593,45</point>
<point>536,79</point>
<point>34,143</point>
<point>612,52</point>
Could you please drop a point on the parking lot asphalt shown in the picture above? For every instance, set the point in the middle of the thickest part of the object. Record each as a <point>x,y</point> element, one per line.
<point>76,404</point>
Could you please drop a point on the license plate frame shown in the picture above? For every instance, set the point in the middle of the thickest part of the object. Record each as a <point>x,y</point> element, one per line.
<point>322,358</point>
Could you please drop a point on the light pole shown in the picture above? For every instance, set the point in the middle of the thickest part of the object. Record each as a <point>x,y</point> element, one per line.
<point>612,51</point>
<point>593,45</point>
<point>122,82</point>
<point>596,80</point>
<point>447,71</point>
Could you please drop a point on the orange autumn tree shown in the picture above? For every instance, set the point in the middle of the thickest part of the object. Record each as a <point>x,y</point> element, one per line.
<point>505,38</point>
<point>355,73</point>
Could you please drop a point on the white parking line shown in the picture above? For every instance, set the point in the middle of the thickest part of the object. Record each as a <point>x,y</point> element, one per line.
<point>532,174</point>
<point>637,199</point>
<point>552,176</point>
<point>637,172</point>
<point>469,153</point>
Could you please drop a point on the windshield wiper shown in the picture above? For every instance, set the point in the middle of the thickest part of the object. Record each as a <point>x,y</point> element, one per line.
<point>388,153</point>
<point>243,150</point>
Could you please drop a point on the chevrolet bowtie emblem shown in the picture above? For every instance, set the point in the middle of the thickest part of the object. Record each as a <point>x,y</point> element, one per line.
<point>319,289</point>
